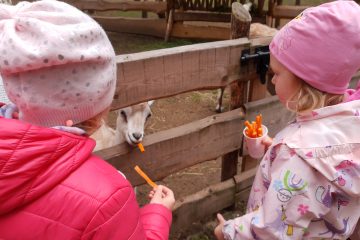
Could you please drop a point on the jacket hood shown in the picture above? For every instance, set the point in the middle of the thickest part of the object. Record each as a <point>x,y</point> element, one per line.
<point>328,140</point>
<point>34,159</point>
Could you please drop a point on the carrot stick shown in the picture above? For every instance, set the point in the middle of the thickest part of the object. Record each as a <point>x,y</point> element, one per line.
<point>144,176</point>
<point>249,130</point>
<point>254,125</point>
<point>259,120</point>
<point>248,125</point>
<point>141,147</point>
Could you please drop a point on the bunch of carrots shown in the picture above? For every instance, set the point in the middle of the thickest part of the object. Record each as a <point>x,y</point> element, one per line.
<point>254,129</point>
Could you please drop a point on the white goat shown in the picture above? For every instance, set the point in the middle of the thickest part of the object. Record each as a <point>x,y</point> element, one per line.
<point>130,124</point>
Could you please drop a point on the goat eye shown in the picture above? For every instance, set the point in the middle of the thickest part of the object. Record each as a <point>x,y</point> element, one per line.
<point>123,114</point>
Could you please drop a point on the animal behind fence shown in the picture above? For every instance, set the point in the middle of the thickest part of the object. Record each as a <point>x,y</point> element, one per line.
<point>130,125</point>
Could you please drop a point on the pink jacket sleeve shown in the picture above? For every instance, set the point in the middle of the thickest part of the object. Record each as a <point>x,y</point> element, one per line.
<point>156,220</point>
<point>120,217</point>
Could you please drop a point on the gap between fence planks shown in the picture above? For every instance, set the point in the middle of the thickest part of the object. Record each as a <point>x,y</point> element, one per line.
<point>172,150</point>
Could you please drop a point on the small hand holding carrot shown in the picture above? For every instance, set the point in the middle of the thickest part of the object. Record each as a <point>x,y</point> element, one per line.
<point>162,195</point>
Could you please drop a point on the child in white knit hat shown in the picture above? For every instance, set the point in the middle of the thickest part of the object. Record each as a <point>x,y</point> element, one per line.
<point>58,68</point>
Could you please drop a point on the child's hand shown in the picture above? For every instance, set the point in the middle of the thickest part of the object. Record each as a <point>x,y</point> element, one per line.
<point>218,230</point>
<point>267,142</point>
<point>162,195</point>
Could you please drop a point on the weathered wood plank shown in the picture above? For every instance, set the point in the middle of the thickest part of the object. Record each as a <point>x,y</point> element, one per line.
<point>208,32</point>
<point>240,27</point>
<point>172,150</point>
<point>286,11</point>
<point>211,200</point>
<point>167,72</point>
<point>122,5</point>
<point>202,16</point>
<point>148,26</point>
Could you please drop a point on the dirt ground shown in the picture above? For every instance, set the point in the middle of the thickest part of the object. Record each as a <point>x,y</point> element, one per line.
<point>172,112</point>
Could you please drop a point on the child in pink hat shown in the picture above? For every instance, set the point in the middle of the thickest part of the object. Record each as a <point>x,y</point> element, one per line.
<point>307,185</point>
<point>59,71</point>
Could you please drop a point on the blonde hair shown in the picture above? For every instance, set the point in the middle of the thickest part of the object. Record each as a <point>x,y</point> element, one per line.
<point>308,98</point>
<point>92,124</point>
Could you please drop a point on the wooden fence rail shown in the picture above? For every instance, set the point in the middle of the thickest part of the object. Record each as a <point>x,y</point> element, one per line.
<point>172,150</point>
<point>168,72</point>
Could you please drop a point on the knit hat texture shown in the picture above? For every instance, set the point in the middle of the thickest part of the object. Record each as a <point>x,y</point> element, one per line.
<point>56,62</point>
<point>322,45</point>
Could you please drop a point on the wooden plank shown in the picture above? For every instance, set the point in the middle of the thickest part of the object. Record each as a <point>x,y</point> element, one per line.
<point>286,11</point>
<point>201,16</point>
<point>151,27</point>
<point>167,72</point>
<point>208,32</point>
<point>240,27</point>
<point>172,150</point>
<point>211,200</point>
<point>203,204</point>
<point>123,5</point>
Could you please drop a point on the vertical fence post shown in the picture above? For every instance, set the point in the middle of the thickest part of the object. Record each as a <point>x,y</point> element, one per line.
<point>240,27</point>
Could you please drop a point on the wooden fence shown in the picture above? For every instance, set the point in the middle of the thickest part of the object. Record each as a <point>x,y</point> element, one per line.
<point>168,72</point>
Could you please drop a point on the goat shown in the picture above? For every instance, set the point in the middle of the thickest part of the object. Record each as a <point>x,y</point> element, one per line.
<point>130,124</point>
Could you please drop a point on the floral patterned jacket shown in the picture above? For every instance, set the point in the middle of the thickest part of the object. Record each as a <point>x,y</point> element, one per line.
<point>308,183</point>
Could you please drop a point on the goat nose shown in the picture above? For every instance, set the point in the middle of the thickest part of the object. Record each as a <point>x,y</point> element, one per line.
<point>137,135</point>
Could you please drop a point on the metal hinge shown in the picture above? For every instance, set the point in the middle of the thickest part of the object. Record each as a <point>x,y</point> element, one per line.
<point>261,58</point>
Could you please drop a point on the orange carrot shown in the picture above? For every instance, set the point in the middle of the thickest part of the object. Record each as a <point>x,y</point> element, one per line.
<point>254,125</point>
<point>254,129</point>
<point>144,176</point>
<point>248,125</point>
<point>141,147</point>
<point>259,120</point>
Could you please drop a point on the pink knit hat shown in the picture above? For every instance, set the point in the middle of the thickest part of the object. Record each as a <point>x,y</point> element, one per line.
<point>322,45</point>
<point>56,62</point>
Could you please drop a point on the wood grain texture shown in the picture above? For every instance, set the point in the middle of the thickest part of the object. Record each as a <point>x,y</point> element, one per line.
<point>123,5</point>
<point>211,200</point>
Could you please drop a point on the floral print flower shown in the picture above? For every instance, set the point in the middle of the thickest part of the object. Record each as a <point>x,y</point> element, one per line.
<point>303,209</point>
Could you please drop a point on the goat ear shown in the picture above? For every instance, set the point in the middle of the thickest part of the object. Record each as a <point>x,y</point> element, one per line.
<point>150,103</point>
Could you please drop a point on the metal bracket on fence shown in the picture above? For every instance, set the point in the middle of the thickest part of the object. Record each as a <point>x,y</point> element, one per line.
<point>261,58</point>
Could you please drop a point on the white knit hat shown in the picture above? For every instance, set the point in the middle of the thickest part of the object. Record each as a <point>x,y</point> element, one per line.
<point>56,62</point>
